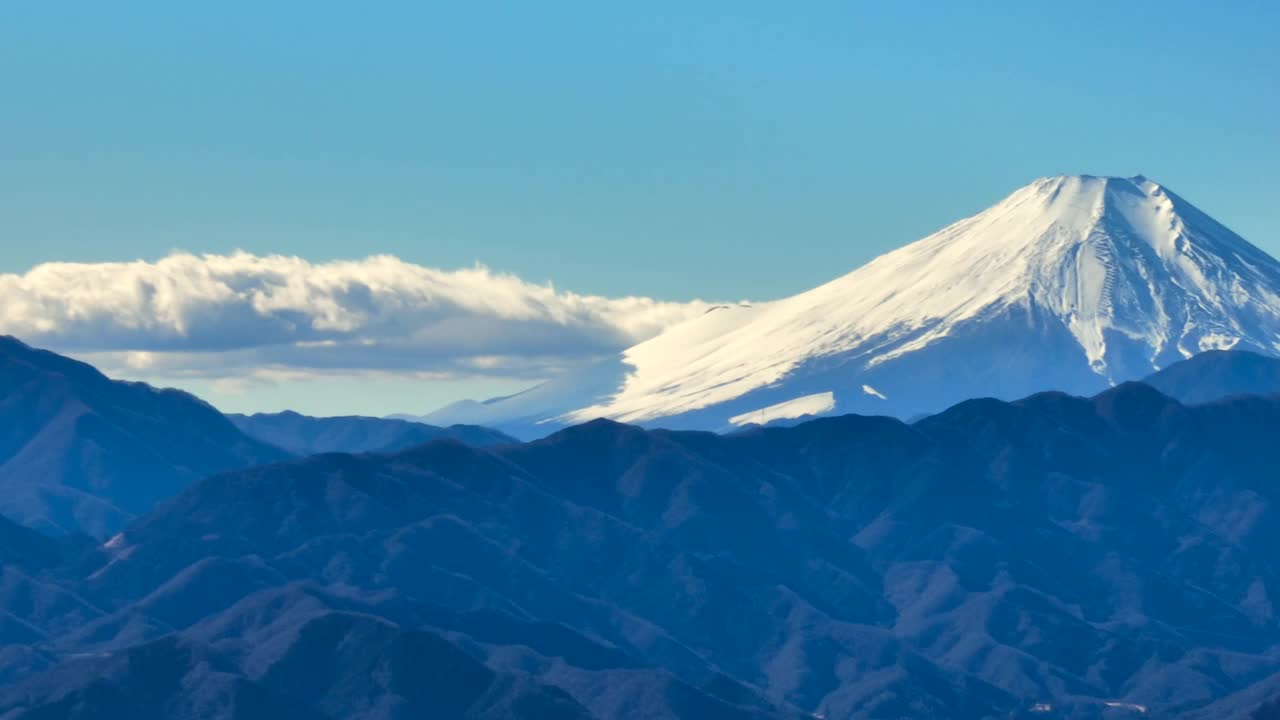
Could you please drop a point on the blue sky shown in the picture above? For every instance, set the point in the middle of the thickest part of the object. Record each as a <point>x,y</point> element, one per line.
<point>668,149</point>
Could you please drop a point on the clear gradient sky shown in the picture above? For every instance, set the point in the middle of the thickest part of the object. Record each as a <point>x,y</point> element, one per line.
<point>675,150</point>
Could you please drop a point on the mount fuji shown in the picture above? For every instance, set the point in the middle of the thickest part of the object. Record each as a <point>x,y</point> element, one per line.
<point>1072,283</point>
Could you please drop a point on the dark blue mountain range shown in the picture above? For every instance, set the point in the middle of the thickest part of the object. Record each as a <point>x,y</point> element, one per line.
<point>1055,557</point>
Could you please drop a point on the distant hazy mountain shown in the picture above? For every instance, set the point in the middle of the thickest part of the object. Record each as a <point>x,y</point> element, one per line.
<point>1219,374</point>
<point>305,435</point>
<point>1071,283</point>
<point>81,452</point>
<point>1055,557</point>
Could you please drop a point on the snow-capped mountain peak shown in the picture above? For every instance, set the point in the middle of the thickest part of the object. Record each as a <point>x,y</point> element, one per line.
<point>1070,283</point>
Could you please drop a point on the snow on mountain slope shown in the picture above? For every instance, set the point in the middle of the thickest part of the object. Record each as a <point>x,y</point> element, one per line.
<point>1071,283</point>
<point>800,407</point>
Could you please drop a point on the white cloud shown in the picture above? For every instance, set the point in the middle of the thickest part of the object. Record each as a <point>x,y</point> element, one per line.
<point>239,315</point>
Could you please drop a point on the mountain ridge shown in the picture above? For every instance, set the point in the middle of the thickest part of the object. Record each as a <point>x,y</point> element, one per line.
<point>1217,374</point>
<point>306,435</point>
<point>82,452</point>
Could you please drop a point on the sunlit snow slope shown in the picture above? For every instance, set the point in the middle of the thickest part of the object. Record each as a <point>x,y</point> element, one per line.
<point>1070,283</point>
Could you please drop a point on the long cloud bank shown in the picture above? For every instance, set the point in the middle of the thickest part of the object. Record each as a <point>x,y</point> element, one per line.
<point>223,315</point>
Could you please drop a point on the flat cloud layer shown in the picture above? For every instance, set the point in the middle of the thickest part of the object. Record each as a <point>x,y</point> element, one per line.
<point>228,315</point>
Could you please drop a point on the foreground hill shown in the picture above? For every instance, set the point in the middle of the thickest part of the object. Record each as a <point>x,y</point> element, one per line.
<point>83,453</point>
<point>1055,557</point>
<point>1071,283</point>
<point>305,435</point>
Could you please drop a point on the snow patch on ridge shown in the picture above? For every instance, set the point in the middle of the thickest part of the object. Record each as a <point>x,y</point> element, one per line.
<point>815,404</point>
<point>873,392</point>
